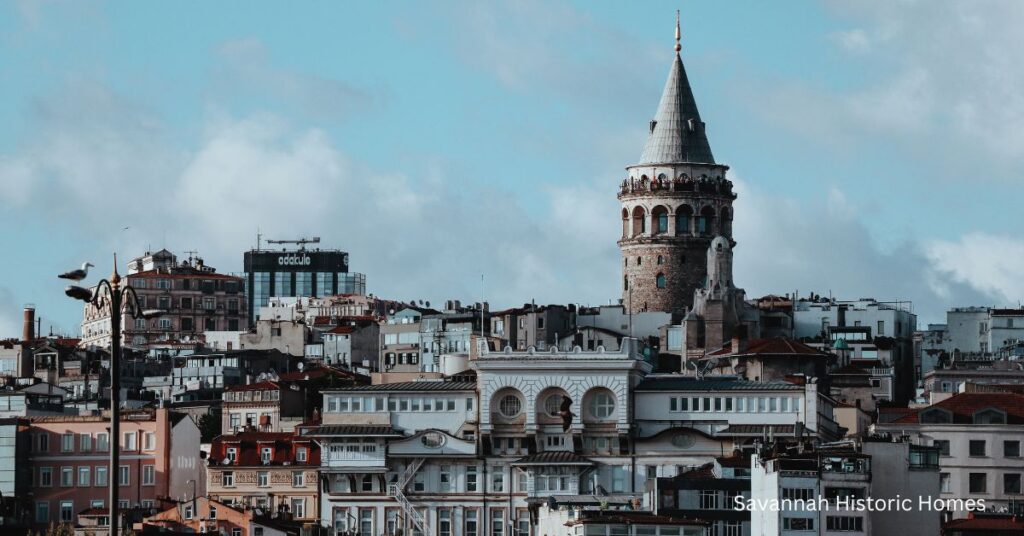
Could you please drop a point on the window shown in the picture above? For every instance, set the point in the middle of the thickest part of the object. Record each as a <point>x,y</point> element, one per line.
<point>148,475</point>
<point>42,511</point>
<point>944,482</point>
<point>497,522</point>
<point>84,475</point>
<point>124,475</point>
<point>102,443</point>
<point>618,479</point>
<point>845,523</point>
<point>299,508</point>
<point>227,479</point>
<point>67,477</point>
<point>149,441</point>
<point>45,477</point>
<point>471,522</point>
<point>602,405</point>
<point>798,494</point>
<point>67,511</point>
<point>708,499</point>
<point>1011,483</point>
<point>130,441</point>
<point>231,454</point>
<point>497,480</point>
<point>301,454</point>
<point>977,447</point>
<point>977,482</point>
<point>446,478</point>
<point>298,479</point>
<point>470,478</point>
<point>266,455</point>
<point>1011,449</point>
<point>85,442</point>
<point>798,523</point>
<point>101,476</point>
<point>943,445</point>
<point>510,406</point>
<point>366,522</point>
<point>67,442</point>
<point>43,441</point>
<point>444,522</point>
<point>659,280</point>
<point>262,479</point>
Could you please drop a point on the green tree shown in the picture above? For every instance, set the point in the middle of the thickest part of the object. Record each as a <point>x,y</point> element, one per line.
<point>209,426</point>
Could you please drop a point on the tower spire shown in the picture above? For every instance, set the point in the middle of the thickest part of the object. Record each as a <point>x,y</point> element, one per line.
<point>678,33</point>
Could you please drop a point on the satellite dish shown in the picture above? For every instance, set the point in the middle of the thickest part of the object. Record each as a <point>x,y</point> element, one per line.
<point>300,366</point>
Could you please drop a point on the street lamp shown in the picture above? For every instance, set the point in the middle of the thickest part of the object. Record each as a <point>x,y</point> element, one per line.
<point>120,300</point>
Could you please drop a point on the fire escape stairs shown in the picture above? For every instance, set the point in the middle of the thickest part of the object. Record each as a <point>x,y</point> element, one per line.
<point>396,490</point>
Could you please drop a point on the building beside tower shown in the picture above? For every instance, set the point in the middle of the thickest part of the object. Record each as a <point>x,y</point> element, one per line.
<point>675,201</point>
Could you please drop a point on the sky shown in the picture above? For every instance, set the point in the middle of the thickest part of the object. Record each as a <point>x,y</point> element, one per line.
<point>876,146</point>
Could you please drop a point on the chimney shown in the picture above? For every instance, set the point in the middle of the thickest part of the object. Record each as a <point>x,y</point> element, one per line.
<point>29,329</point>
<point>739,339</point>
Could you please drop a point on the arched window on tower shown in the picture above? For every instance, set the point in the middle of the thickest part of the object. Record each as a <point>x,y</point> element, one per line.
<point>639,221</point>
<point>706,222</point>
<point>661,260</point>
<point>660,280</point>
<point>625,283</point>
<point>683,216</point>
<point>625,223</point>
<point>660,217</point>
<point>725,222</point>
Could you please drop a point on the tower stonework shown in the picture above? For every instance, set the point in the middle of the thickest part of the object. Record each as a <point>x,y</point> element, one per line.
<point>675,200</point>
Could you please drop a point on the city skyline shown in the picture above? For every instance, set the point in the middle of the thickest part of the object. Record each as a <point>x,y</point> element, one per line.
<point>522,114</point>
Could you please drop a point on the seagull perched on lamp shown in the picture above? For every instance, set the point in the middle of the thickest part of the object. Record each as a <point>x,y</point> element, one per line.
<point>77,275</point>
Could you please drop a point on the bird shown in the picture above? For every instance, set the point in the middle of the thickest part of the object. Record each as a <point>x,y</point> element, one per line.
<point>77,275</point>
<point>566,413</point>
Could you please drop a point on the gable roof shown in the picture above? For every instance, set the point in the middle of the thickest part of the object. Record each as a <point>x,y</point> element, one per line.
<point>781,346</point>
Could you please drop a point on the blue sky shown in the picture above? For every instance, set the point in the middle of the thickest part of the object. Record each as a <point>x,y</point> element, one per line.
<point>875,145</point>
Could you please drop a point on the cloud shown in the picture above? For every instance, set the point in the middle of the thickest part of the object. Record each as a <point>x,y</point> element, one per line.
<point>785,246</point>
<point>993,264</point>
<point>416,232</point>
<point>244,71</point>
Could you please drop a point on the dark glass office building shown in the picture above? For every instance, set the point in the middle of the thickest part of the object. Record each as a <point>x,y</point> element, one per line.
<point>276,274</point>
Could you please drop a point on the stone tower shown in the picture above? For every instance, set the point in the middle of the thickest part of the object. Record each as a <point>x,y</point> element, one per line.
<point>674,202</point>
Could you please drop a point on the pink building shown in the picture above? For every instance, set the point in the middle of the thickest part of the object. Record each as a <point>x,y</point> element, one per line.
<point>69,459</point>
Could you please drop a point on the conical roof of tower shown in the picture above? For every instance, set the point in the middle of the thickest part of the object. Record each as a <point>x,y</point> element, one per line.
<point>677,134</point>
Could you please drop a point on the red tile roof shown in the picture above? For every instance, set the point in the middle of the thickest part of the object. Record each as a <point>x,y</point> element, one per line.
<point>963,406</point>
<point>343,329</point>
<point>994,524</point>
<point>773,346</point>
<point>259,386</point>
<point>249,445</point>
<point>156,274</point>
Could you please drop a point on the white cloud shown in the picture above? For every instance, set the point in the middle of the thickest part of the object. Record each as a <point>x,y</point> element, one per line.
<point>993,264</point>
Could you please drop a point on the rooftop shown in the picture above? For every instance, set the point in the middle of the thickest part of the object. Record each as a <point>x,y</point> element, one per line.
<point>676,382</point>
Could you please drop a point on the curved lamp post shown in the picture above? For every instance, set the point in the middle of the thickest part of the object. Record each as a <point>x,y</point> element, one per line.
<point>119,300</point>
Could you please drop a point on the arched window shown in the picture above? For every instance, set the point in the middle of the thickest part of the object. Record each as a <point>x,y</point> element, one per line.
<point>639,261</point>
<point>639,221</point>
<point>625,283</point>
<point>660,280</point>
<point>706,221</point>
<point>683,216</point>
<point>661,260</point>
<point>725,221</point>
<point>602,405</point>
<point>553,405</point>
<point>660,216</point>
<point>510,406</point>
<point>625,223</point>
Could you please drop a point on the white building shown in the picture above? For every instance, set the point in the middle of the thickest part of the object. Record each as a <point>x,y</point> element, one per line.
<point>979,439</point>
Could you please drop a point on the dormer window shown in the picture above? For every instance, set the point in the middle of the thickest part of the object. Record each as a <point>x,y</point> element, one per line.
<point>935,416</point>
<point>232,454</point>
<point>266,455</point>
<point>990,416</point>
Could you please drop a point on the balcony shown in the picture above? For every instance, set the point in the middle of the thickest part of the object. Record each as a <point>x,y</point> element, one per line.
<point>334,458</point>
